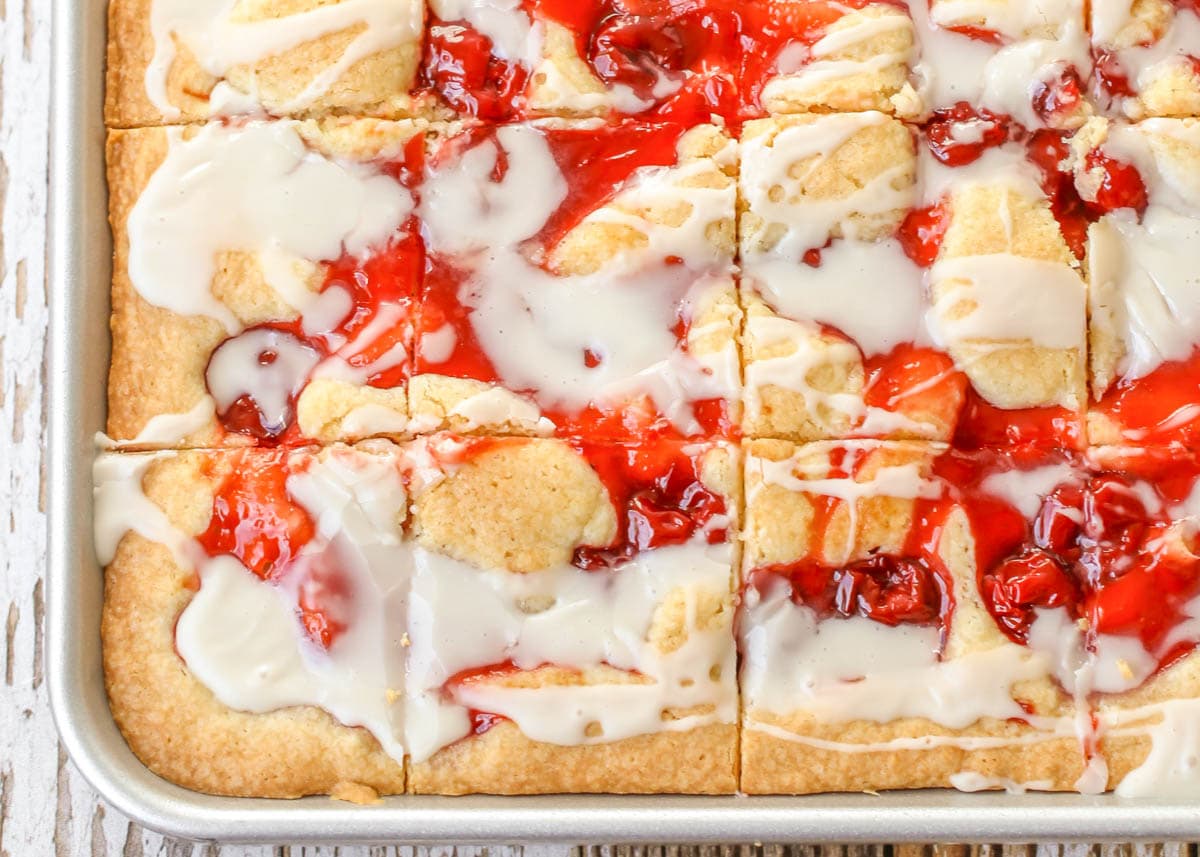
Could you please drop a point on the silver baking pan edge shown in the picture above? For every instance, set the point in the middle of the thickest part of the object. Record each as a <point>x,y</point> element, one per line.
<point>80,255</point>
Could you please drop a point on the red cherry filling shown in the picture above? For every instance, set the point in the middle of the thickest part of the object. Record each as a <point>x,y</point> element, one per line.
<point>1160,407</point>
<point>1121,185</point>
<point>1059,98</point>
<point>460,67</point>
<point>256,520</point>
<point>1034,578</point>
<point>886,589</point>
<point>960,134</point>
<point>1102,554</point>
<point>273,361</point>
<point>921,232</point>
<point>1110,76</point>
<point>658,496</point>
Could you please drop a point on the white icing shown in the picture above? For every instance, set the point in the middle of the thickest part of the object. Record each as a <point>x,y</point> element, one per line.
<point>973,781</point>
<point>871,292</point>
<point>858,669</point>
<point>237,368</point>
<point>536,326</point>
<point>1025,489</point>
<point>514,36</point>
<point>1147,288</point>
<point>122,507</point>
<point>219,40</point>
<point>1172,767</point>
<point>257,189</point>
<point>437,346</point>
<point>165,429</point>
<point>497,406</point>
<point>768,166</point>
<point>1004,297</point>
<point>1041,39</point>
<point>801,69</point>
<point>462,617</point>
<point>241,637</point>
<point>1144,64</point>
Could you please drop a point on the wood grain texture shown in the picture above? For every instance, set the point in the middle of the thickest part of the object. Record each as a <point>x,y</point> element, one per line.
<point>45,807</point>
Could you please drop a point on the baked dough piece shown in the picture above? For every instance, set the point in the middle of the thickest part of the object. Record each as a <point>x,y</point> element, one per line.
<point>580,60</point>
<point>169,61</point>
<point>1144,296</point>
<point>869,660</point>
<point>589,289</point>
<point>1147,54</point>
<point>828,293</point>
<point>1146,673</point>
<point>826,56</point>
<point>223,237</point>
<point>578,622</point>
<point>155,515</point>
<point>1008,299</point>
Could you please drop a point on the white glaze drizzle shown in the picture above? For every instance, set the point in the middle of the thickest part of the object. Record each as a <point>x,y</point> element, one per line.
<point>535,326</point>
<point>258,189</point>
<point>768,165</point>
<point>595,618</point>
<point>219,41</point>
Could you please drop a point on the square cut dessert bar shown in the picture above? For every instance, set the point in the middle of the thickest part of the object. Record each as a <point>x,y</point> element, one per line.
<point>909,285</point>
<point>253,611</point>
<point>878,650</point>
<point>1143,182</point>
<point>1023,60</point>
<point>581,58</point>
<point>179,61</point>
<point>575,634</point>
<point>1147,57</point>
<point>264,281</point>
<point>1141,602</point>
<point>579,281</point>
<point>288,622</point>
<point>915,615</point>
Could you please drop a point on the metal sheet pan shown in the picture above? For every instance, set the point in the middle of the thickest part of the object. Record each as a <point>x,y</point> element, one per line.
<point>80,262</point>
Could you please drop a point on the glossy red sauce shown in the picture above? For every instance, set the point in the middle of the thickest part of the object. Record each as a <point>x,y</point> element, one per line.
<point>657,493</point>
<point>920,383</point>
<point>481,721</point>
<point>921,232</point>
<point>1059,99</point>
<point>769,28</point>
<point>1160,407</point>
<point>687,49</point>
<point>1049,150</point>
<point>1110,78</point>
<point>460,67</point>
<point>256,520</point>
<point>912,587</point>
<point>1121,185</point>
<point>982,425</point>
<point>947,141</point>
<point>1094,547</point>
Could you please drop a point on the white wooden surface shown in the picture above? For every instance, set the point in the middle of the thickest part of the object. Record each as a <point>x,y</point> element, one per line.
<point>45,807</point>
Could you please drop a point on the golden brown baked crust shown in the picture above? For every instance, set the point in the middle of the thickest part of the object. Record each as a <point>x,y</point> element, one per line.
<point>377,85</point>
<point>778,528</point>
<point>533,501</point>
<point>172,722</point>
<point>159,357</point>
<point>503,761</point>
